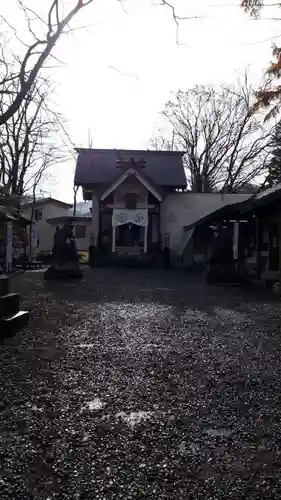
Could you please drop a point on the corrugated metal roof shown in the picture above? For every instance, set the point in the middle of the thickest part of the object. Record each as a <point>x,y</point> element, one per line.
<point>254,202</point>
<point>7,215</point>
<point>267,192</point>
<point>98,166</point>
<point>216,215</point>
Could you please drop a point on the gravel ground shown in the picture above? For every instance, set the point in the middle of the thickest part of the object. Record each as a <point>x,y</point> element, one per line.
<point>141,385</point>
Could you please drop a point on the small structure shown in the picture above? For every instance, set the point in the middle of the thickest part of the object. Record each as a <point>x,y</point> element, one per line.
<point>13,238</point>
<point>251,232</point>
<point>65,261</point>
<point>12,319</point>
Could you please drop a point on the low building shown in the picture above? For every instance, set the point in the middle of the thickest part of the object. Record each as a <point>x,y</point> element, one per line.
<point>48,213</point>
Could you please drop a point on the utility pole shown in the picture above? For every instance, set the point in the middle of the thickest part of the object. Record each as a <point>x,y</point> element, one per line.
<point>90,141</point>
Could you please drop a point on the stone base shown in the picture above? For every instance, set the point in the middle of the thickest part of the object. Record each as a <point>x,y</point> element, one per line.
<point>11,318</point>
<point>4,284</point>
<point>13,324</point>
<point>92,256</point>
<point>67,271</point>
<point>220,273</point>
<point>276,287</point>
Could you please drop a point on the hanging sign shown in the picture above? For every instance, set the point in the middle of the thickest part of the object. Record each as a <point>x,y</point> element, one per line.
<point>122,216</point>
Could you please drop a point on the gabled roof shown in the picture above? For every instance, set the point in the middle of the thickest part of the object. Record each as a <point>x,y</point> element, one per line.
<point>98,166</point>
<point>146,182</point>
<point>43,201</point>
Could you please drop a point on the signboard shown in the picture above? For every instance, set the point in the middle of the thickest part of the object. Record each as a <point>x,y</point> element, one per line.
<point>122,216</point>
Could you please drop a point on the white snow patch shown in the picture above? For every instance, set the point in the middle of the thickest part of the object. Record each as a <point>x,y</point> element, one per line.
<point>185,448</point>
<point>135,417</point>
<point>86,346</point>
<point>96,404</point>
<point>222,432</point>
<point>34,407</point>
<point>85,437</point>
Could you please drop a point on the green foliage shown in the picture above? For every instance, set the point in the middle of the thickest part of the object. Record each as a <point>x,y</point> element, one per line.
<point>274,166</point>
<point>252,6</point>
<point>269,96</point>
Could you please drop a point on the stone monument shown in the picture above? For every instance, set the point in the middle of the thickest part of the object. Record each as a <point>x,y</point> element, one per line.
<point>65,260</point>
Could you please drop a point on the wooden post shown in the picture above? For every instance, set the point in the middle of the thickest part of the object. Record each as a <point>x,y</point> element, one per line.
<point>9,247</point>
<point>93,226</point>
<point>236,243</point>
<point>146,226</point>
<point>258,248</point>
<point>145,238</point>
<point>113,238</point>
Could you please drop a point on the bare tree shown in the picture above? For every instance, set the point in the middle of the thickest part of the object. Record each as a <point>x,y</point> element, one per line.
<point>75,191</point>
<point>28,139</point>
<point>225,145</point>
<point>23,72</point>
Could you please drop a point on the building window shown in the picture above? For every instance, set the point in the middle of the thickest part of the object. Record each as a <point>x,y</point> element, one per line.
<point>80,231</point>
<point>38,214</point>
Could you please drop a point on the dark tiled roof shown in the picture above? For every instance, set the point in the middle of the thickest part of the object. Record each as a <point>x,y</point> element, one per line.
<point>98,166</point>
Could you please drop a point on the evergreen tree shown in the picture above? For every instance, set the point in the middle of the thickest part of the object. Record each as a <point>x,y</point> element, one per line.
<point>274,166</point>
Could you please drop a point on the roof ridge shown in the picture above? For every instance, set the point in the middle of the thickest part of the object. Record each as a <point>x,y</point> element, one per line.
<point>129,151</point>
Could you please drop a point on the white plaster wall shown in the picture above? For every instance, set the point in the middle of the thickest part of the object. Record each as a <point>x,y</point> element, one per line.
<point>181,209</point>
<point>44,230</point>
<point>82,244</point>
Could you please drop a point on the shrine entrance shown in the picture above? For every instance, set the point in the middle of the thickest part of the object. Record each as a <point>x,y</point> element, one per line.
<point>129,231</point>
<point>129,217</point>
<point>129,235</point>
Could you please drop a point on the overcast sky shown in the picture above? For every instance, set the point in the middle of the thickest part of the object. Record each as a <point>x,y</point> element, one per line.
<point>118,72</point>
